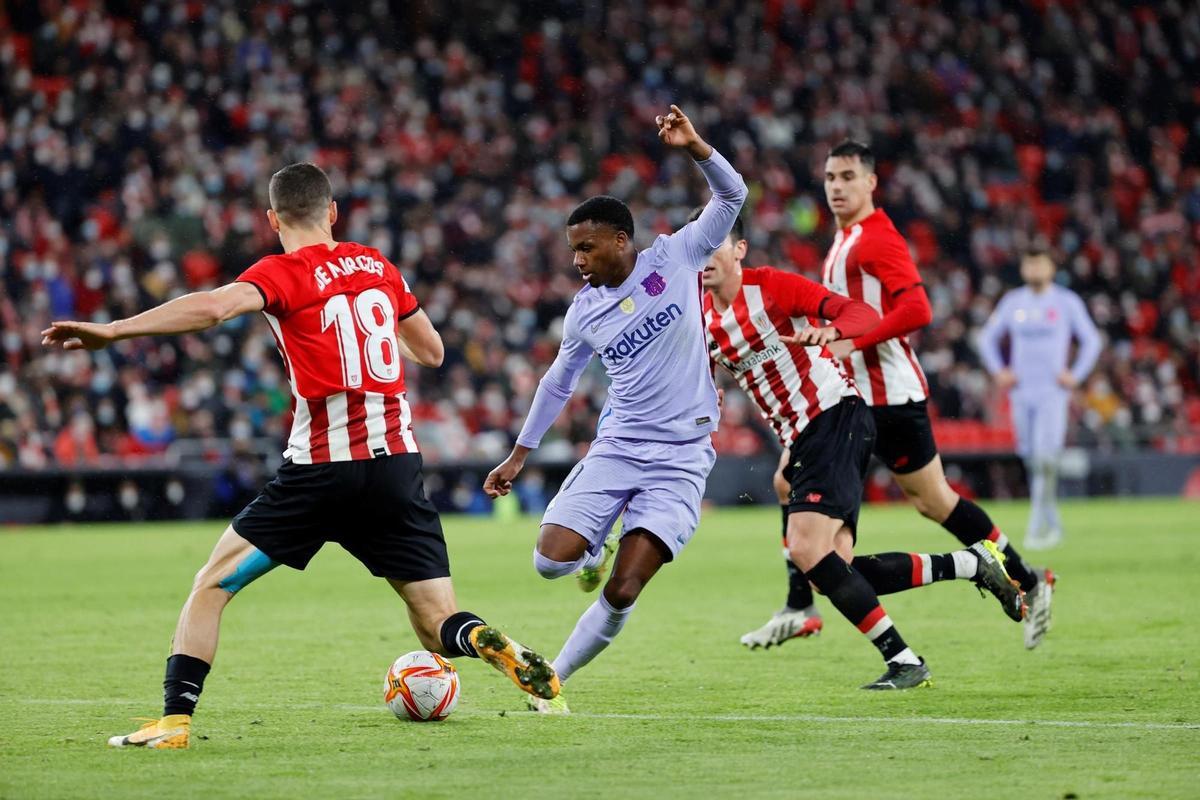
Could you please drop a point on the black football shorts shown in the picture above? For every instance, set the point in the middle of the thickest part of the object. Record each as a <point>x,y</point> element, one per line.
<point>375,508</point>
<point>904,436</point>
<point>827,463</point>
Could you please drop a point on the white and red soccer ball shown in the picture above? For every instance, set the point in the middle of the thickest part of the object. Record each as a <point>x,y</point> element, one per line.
<point>421,686</point>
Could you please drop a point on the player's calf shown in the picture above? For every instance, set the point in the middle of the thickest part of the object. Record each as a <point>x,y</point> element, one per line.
<point>853,596</point>
<point>812,535</point>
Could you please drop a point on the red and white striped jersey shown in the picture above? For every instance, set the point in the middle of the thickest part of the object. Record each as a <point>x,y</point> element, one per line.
<point>790,383</point>
<point>334,315</point>
<point>869,261</point>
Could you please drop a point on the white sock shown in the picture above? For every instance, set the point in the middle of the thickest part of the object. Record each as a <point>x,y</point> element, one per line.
<point>596,628</point>
<point>1050,520</point>
<point>905,656</point>
<point>966,564</point>
<point>549,568</point>
<point>591,559</point>
<point>1037,495</point>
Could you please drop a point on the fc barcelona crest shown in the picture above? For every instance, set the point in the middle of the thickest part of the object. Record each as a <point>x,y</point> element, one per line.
<point>654,284</point>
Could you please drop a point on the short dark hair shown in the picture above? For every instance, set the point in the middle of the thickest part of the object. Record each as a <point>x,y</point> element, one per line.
<point>737,231</point>
<point>300,193</point>
<point>603,210</point>
<point>852,149</point>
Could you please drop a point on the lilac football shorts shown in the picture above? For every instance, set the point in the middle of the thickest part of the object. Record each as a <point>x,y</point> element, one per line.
<point>657,485</point>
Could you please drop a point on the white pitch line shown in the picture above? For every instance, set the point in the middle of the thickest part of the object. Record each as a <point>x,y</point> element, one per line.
<point>811,718</point>
<point>817,718</point>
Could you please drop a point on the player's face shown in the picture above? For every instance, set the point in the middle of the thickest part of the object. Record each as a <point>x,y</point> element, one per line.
<point>1037,271</point>
<point>848,186</point>
<point>724,263</point>
<point>598,250</point>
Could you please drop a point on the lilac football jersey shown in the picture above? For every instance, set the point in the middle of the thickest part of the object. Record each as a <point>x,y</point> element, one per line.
<point>648,333</point>
<point>1040,326</point>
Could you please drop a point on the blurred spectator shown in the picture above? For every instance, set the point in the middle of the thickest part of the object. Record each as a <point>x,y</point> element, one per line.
<point>136,141</point>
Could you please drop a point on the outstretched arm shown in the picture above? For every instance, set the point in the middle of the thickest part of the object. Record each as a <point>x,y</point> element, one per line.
<point>192,312</point>
<point>553,392</point>
<point>696,241</point>
<point>798,296</point>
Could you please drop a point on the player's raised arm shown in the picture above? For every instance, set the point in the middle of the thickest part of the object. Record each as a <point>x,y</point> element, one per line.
<point>553,392</point>
<point>191,312</point>
<point>696,241</point>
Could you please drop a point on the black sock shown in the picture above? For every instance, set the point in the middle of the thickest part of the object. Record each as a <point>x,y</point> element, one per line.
<point>969,523</point>
<point>456,634</point>
<point>183,683</point>
<point>850,594</point>
<point>889,573</point>
<point>800,594</point>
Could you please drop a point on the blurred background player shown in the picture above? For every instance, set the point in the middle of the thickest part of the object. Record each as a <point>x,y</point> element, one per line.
<point>1040,319</point>
<point>342,317</point>
<point>640,313</point>
<point>869,261</point>
<point>759,329</point>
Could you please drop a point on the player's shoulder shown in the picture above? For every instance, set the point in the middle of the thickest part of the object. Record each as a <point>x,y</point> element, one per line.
<point>1070,297</point>
<point>659,249</point>
<point>880,230</point>
<point>583,302</point>
<point>768,276</point>
<point>1012,297</point>
<point>756,276</point>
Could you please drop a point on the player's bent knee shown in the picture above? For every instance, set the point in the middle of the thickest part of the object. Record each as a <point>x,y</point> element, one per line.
<point>560,544</point>
<point>253,566</point>
<point>622,592</point>
<point>928,508</point>
<point>803,555</point>
<point>549,568</point>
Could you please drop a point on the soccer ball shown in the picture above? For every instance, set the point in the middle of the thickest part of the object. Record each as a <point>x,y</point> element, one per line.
<point>421,686</point>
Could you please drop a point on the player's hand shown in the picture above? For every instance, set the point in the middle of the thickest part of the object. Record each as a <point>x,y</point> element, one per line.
<point>813,336</point>
<point>1067,380</point>
<point>841,349</point>
<point>1005,379</point>
<point>675,129</point>
<point>499,481</point>
<point>79,335</point>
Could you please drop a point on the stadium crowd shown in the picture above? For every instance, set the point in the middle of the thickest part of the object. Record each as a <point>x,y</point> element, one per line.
<point>136,140</point>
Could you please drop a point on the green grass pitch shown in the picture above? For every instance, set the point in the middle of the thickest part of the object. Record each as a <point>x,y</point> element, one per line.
<point>1108,707</point>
